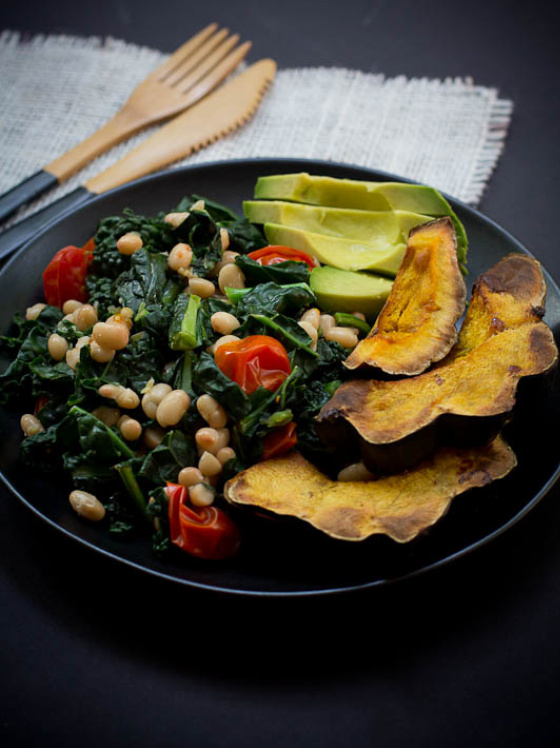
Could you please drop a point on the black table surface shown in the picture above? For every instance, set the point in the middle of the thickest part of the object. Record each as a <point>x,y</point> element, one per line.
<point>97,654</point>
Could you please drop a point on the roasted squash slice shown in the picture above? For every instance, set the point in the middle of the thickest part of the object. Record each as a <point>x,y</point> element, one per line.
<point>463,399</point>
<point>416,326</point>
<point>400,506</point>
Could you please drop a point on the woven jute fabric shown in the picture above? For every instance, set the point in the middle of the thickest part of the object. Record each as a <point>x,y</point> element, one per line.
<point>57,90</point>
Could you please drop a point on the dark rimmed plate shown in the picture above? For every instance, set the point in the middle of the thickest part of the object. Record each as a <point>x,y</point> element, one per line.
<point>279,558</point>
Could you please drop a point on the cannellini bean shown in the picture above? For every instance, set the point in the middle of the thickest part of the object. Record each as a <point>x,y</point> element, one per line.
<point>189,476</point>
<point>127,398</point>
<point>100,354</point>
<point>85,316</point>
<point>223,438</point>
<point>180,257</point>
<point>160,390</point>
<point>206,439</point>
<point>313,316</point>
<point>149,406</point>
<point>201,495</point>
<point>172,408</point>
<point>130,428</point>
<point>343,335</point>
<point>57,346</point>
<point>222,340</point>
<point>355,472</point>
<point>109,416</point>
<point>310,330</point>
<point>212,412</point>
<point>224,238</point>
<point>153,436</point>
<point>176,219</point>
<point>87,505</point>
<point>359,315</point>
<point>230,276</point>
<point>130,243</point>
<point>71,305</point>
<point>30,424</point>
<point>225,454</point>
<point>113,336</point>
<point>224,322</point>
<point>201,287</point>
<point>326,321</point>
<point>32,312</point>
<point>72,357</point>
<point>110,391</point>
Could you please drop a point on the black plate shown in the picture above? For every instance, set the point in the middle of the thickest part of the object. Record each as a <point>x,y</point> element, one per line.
<point>280,558</point>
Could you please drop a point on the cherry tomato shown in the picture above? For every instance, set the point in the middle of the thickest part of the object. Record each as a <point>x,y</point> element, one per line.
<point>206,532</point>
<point>65,275</point>
<point>280,440</point>
<point>275,254</point>
<point>255,361</point>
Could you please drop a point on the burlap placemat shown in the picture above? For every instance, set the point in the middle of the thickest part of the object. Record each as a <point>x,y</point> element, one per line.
<point>57,90</point>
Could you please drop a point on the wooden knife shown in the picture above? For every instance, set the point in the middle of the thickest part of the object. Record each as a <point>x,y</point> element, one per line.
<point>217,115</point>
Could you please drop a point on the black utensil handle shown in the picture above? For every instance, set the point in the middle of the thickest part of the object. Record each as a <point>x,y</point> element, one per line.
<point>25,191</point>
<point>19,233</point>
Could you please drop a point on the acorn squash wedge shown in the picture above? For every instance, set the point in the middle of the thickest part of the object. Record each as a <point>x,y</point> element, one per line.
<point>466,397</point>
<point>400,506</point>
<point>416,325</point>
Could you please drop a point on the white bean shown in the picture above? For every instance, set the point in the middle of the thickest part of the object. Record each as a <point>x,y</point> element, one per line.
<point>30,425</point>
<point>212,412</point>
<point>313,316</point>
<point>130,428</point>
<point>201,495</point>
<point>201,287</point>
<point>129,243</point>
<point>224,322</point>
<point>225,454</point>
<point>190,476</point>
<point>109,416</point>
<point>87,505</point>
<point>57,346</point>
<point>100,354</point>
<point>85,317</point>
<point>180,257</point>
<point>32,312</point>
<point>71,305</point>
<point>172,408</point>
<point>355,472</point>
<point>230,276</point>
<point>343,335</point>
<point>113,336</point>
<point>206,439</point>
<point>176,219</point>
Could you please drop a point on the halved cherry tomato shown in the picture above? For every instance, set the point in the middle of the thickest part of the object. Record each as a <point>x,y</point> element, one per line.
<point>206,532</point>
<point>65,275</point>
<point>255,361</point>
<point>280,440</point>
<point>275,254</point>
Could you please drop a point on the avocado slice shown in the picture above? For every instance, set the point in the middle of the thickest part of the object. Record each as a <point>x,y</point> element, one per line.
<point>345,291</point>
<point>346,254</point>
<point>382,227</point>
<point>357,195</point>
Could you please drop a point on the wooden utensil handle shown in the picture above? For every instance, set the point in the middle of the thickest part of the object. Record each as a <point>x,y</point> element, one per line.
<point>112,132</point>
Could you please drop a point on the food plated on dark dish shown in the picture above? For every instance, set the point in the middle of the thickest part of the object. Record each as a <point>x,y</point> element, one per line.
<point>234,386</point>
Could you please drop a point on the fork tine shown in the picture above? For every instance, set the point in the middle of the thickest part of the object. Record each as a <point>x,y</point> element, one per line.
<point>199,89</point>
<point>189,78</point>
<point>194,59</point>
<point>184,51</point>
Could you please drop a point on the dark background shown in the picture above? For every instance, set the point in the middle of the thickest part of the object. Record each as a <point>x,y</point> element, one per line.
<point>469,655</point>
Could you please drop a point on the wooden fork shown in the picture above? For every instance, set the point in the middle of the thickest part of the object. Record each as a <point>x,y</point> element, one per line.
<point>195,69</point>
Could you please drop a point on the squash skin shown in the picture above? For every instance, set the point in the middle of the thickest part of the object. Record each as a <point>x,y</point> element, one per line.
<point>400,506</point>
<point>416,325</point>
<point>465,398</point>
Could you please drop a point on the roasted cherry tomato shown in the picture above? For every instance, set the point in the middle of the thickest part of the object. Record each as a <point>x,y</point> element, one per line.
<point>275,254</point>
<point>65,275</point>
<point>255,361</point>
<point>206,532</point>
<point>280,440</point>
